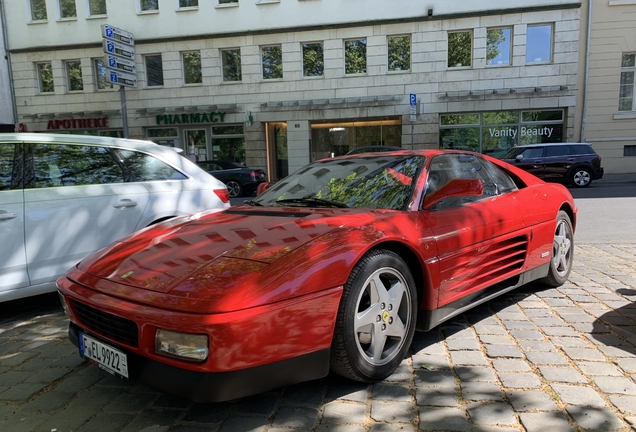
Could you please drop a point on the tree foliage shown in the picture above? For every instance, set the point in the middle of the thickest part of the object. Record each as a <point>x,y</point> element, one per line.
<point>147,5</point>
<point>356,56</point>
<point>272,57</point>
<point>494,38</point>
<point>231,60</point>
<point>67,9</point>
<point>460,48</point>
<point>97,7</point>
<point>45,74</point>
<point>192,73</point>
<point>313,59</point>
<point>38,10</point>
<point>74,73</point>
<point>399,53</point>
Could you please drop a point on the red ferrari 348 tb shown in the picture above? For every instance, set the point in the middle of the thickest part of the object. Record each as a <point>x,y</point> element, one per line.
<point>333,267</point>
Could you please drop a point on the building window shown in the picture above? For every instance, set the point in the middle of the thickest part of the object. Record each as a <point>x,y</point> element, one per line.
<point>539,43</point>
<point>498,43</point>
<point>100,75</point>
<point>627,95</point>
<point>38,10</point>
<point>313,59</point>
<point>148,5</point>
<point>74,75</point>
<point>192,73</point>
<point>96,7</point>
<point>355,56</point>
<point>629,150</point>
<point>188,4</point>
<point>399,48</point>
<point>154,70</point>
<point>272,60</point>
<point>227,2</point>
<point>45,77</point>
<point>231,63</point>
<point>460,49</point>
<point>67,9</point>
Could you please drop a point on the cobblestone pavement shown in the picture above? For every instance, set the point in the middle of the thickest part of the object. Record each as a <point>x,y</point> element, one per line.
<point>535,360</point>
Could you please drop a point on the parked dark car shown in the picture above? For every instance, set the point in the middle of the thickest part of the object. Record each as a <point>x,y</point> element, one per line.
<point>373,149</point>
<point>240,180</point>
<point>575,164</point>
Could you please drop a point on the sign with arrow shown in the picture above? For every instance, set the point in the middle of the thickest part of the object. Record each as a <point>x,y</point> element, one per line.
<point>119,64</point>
<point>121,50</point>
<point>121,78</point>
<point>118,35</point>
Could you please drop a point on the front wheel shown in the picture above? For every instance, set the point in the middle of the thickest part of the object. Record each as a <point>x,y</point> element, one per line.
<point>234,188</point>
<point>376,318</point>
<point>581,177</point>
<point>562,252</point>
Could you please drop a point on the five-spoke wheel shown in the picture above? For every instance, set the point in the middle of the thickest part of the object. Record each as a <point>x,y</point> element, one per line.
<point>581,177</point>
<point>562,252</point>
<point>234,188</point>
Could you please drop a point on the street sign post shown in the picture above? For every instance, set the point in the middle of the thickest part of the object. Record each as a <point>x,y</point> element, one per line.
<point>119,46</point>
<point>413,102</point>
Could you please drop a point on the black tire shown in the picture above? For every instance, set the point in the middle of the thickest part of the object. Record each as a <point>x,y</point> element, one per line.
<point>581,177</point>
<point>234,188</point>
<point>562,252</point>
<point>387,315</point>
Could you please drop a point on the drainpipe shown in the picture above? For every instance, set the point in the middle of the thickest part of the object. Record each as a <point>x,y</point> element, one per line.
<point>5,34</point>
<point>587,68</point>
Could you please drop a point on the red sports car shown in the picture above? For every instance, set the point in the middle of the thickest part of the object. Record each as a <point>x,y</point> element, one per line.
<point>333,267</point>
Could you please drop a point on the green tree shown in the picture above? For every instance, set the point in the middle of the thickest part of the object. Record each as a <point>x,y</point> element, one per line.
<point>192,72</point>
<point>74,71</point>
<point>313,60</point>
<point>97,7</point>
<point>67,9</point>
<point>399,53</point>
<point>45,74</point>
<point>272,57</point>
<point>356,56</point>
<point>460,48</point>
<point>231,60</point>
<point>494,38</point>
<point>38,10</point>
<point>147,5</point>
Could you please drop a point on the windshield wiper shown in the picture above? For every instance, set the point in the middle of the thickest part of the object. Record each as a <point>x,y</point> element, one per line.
<point>252,203</point>
<point>312,200</point>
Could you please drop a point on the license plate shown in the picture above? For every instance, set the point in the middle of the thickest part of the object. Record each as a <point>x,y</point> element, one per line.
<point>108,358</point>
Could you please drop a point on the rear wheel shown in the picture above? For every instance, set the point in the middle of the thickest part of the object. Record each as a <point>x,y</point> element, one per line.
<point>562,252</point>
<point>234,188</point>
<point>376,318</point>
<point>581,177</point>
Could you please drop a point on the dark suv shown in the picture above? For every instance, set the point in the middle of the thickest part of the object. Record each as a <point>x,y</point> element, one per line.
<point>575,164</point>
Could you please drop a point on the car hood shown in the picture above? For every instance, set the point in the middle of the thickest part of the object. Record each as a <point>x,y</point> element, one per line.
<point>217,250</point>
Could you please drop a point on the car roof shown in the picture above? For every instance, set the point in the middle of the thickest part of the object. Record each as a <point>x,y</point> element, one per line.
<point>552,144</point>
<point>78,139</point>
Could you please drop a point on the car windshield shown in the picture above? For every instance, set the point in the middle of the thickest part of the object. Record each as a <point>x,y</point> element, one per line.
<point>375,182</point>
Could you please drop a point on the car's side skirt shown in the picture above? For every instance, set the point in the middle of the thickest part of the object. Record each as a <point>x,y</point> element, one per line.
<point>427,319</point>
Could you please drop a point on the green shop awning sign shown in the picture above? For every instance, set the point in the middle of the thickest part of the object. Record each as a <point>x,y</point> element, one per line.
<point>170,119</point>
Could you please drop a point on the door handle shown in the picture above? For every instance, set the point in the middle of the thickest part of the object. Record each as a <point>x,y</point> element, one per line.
<point>7,216</point>
<point>124,203</point>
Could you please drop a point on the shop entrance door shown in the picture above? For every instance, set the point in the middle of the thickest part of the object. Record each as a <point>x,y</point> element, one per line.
<point>196,141</point>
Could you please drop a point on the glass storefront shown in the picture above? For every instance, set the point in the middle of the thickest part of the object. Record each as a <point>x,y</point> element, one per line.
<point>495,132</point>
<point>338,138</point>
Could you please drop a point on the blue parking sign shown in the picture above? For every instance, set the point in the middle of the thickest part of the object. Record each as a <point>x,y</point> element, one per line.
<point>413,99</point>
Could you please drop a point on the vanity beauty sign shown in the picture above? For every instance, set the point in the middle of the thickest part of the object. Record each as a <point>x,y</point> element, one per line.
<point>523,131</point>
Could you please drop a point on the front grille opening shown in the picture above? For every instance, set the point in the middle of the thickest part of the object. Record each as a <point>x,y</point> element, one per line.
<point>117,328</point>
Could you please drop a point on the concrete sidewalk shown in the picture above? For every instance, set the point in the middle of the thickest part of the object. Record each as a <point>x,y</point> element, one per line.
<point>617,178</point>
<point>535,360</point>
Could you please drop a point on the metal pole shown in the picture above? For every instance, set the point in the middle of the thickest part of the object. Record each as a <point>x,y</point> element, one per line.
<point>412,148</point>
<point>7,53</point>
<point>124,114</point>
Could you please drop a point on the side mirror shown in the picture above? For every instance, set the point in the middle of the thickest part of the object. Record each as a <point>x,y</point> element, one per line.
<point>455,187</point>
<point>519,157</point>
<point>262,187</point>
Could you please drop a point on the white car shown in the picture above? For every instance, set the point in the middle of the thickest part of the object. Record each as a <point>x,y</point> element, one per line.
<point>63,197</point>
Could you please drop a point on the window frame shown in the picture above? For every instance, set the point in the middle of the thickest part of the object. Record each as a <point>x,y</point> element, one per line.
<point>33,19</point>
<point>226,3</point>
<point>366,62</point>
<point>178,6</point>
<point>68,75</point>
<point>471,33</point>
<point>39,77</point>
<point>273,69</point>
<point>302,58</point>
<point>388,53</point>
<point>146,69</point>
<point>97,75</point>
<point>59,11</point>
<point>627,70</point>
<point>510,47</point>
<point>183,69</point>
<point>141,10</point>
<point>223,68</point>
<point>89,14</point>
<point>541,61</point>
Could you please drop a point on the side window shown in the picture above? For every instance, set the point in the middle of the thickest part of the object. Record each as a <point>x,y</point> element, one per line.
<point>500,178</point>
<point>10,166</point>
<point>143,167</point>
<point>534,152</point>
<point>445,168</point>
<point>557,150</point>
<point>72,165</point>
<point>582,149</point>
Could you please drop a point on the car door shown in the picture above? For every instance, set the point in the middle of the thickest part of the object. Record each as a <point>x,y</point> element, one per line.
<point>532,160</point>
<point>557,161</point>
<point>76,202</point>
<point>13,269</point>
<point>479,239</point>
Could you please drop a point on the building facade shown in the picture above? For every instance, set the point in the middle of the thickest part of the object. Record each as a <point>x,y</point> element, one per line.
<point>276,84</point>
<point>609,117</point>
<point>7,117</point>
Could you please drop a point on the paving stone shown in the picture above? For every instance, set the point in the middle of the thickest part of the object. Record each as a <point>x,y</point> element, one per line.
<point>13,377</point>
<point>531,345</point>
<point>426,378</point>
<point>520,380</point>
<point>562,374</point>
<point>615,385</point>
<point>583,354</point>
<point>598,368</point>
<point>468,358</point>
<point>519,325</point>
<point>390,427</point>
<point>22,391</point>
<point>491,414</point>
<point>106,422</point>
<point>542,422</point>
<point>131,402</point>
<point>527,334</point>
<point>340,428</point>
<point>626,404</point>
<point>344,412</point>
<point>153,421</point>
<point>490,329</point>
<point>510,365</point>
<point>49,401</point>
<point>466,374</point>
<point>244,424</point>
<point>578,395</point>
<point>477,391</point>
<point>296,417</point>
<point>392,412</point>
<point>627,364</point>
<point>77,383</point>
<point>383,391</point>
<point>403,373</point>
<point>594,418</point>
<point>496,339</point>
<point>436,396</point>
<point>447,419</point>
<point>503,351</point>
<point>342,389</point>
<point>263,405</point>
<point>24,421</point>
<point>616,351</point>
<point>546,358</point>
<point>462,344</point>
<point>212,413</point>
<point>428,361</point>
<point>531,400</point>
<point>310,393</point>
